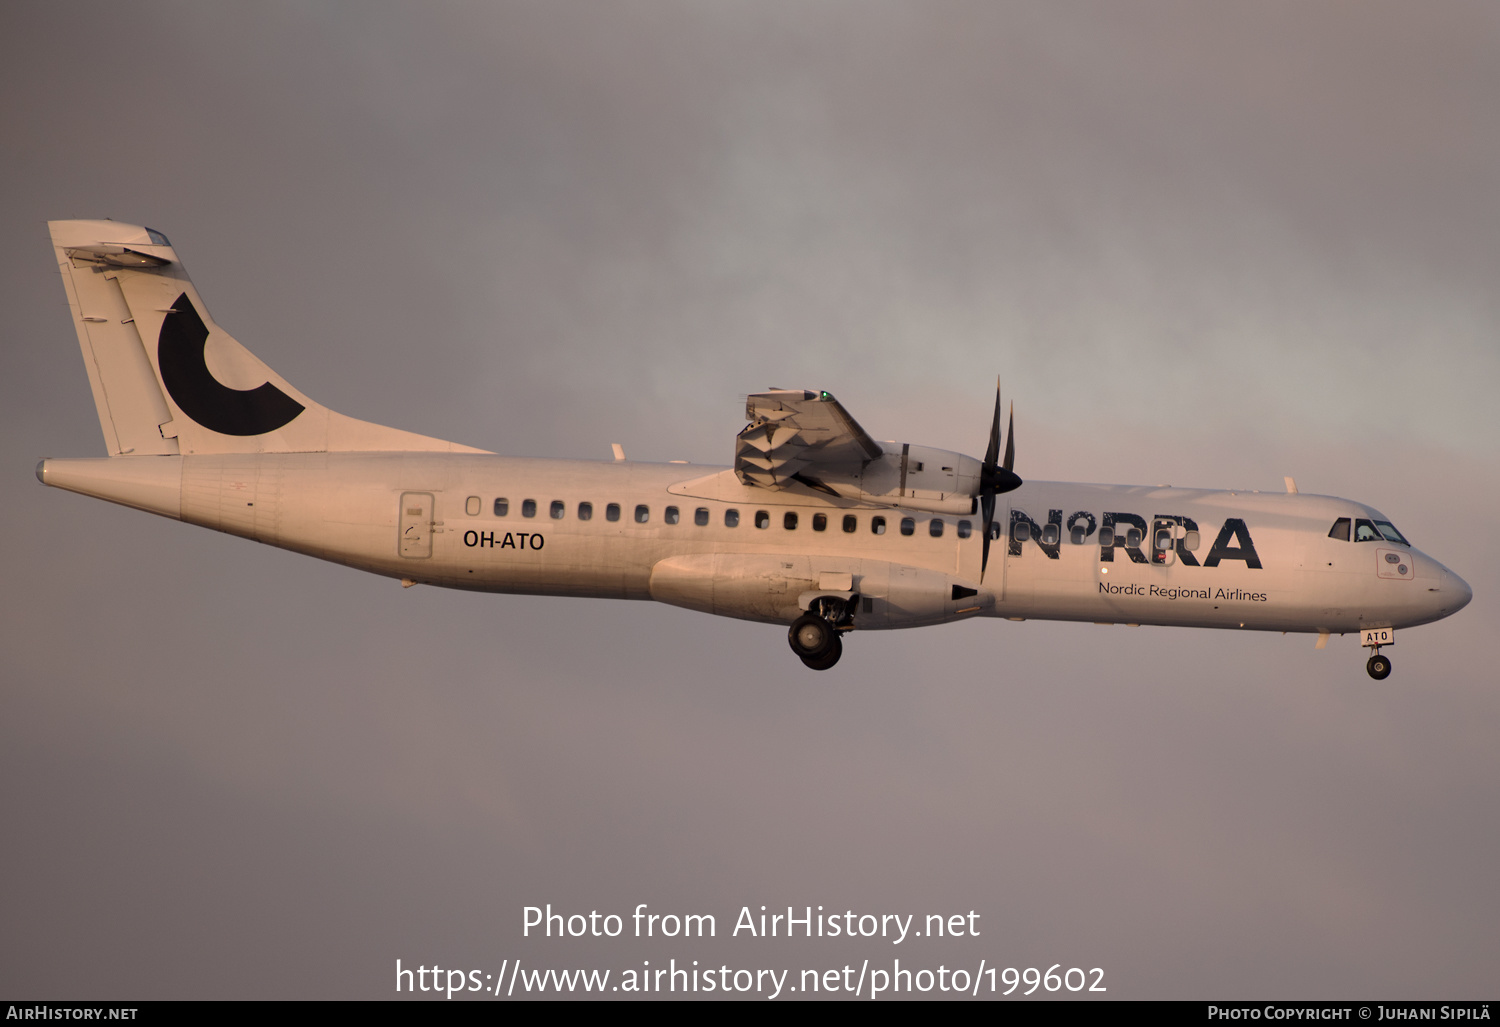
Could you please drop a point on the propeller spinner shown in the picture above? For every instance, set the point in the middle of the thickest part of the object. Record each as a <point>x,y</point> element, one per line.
<point>995,477</point>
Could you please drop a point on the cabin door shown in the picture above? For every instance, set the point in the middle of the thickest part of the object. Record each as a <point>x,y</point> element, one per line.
<point>415,525</point>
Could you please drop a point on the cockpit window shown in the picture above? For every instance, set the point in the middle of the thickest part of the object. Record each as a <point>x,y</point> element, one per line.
<point>1364,531</point>
<point>1340,529</point>
<point>1389,531</point>
<point>157,238</point>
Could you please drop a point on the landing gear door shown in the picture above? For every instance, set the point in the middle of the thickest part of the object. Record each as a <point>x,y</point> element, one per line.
<point>1164,534</point>
<point>415,525</point>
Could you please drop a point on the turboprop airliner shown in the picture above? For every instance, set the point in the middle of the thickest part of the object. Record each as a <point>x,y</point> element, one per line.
<point>816,526</point>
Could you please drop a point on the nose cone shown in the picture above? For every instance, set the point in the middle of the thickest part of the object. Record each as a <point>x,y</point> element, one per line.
<point>1456,591</point>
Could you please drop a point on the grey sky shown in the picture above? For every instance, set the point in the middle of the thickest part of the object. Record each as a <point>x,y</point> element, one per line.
<point>1202,246</point>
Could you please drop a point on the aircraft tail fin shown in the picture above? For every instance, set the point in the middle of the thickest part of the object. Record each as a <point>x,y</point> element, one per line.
<point>167,380</point>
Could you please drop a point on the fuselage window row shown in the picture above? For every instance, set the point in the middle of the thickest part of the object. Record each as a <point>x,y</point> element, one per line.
<point>557,509</point>
<point>1051,534</point>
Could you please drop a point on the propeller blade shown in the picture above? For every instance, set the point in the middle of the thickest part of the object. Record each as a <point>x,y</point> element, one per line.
<point>992,454</point>
<point>995,477</point>
<point>987,504</point>
<point>1010,436</point>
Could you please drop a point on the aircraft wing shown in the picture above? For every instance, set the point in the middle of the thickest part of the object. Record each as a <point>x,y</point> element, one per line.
<point>807,437</point>
<point>798,440</point>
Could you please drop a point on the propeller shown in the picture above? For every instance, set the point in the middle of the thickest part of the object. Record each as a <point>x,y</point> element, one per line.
<point>996,477</point>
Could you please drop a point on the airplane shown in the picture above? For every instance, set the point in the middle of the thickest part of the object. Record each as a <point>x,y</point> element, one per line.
<point>816,526</point>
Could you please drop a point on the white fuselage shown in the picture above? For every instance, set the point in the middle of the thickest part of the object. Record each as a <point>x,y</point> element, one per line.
<point>699,538</point>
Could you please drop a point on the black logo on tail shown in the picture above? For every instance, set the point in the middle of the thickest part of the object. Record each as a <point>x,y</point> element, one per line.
<point>203,397</point>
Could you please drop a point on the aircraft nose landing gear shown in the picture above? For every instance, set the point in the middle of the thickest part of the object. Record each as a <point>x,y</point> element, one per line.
<point>815,641</point>
<point>1372,639</point>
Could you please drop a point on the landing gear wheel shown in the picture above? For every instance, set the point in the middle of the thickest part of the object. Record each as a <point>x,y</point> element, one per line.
<point>811,637</point>
<point>828,659</point>
<point>1379,667</point>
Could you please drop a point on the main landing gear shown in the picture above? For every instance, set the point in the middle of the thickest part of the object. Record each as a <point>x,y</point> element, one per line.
<point>1379,666</point>
<point>814,636</point>
<point>815,641</point>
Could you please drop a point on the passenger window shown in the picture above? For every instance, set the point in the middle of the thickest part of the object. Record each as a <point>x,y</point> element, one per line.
<point>670,515</point>
<point>1106,537</point>
<point>820,522</point>
<point>1051,533</point>
<point>965,529</point>
<point>877,525</point>
<point>585,511</point>
<point>471,506</point>
<point>1133,538</point>
<point>731,518</point>
<point>1163,539</point>
<point>1077,535</point>
<point>502,507</point>
<point>700,516</point>
<point>1022,531</point>
<point>1190,541</point>
<point>908,525</point>
<point>789,520</point>
<point>851,523</point>
<point>935,527</point>
<point>1364,531</point>
<point>762,519</point>
<point>612,512</point>
<point>642,514</point>
<point>1340,529</point>
<point>528,508</point>
<point>559,508</point>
